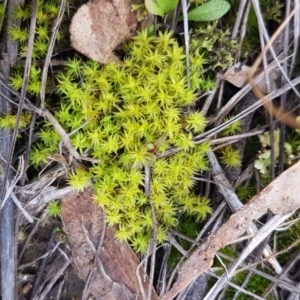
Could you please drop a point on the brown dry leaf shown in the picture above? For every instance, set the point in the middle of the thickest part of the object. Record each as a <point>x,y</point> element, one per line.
<point>238,75</point>
<point>99,26</point>
<point>113,276</point>
<point>281,197</point>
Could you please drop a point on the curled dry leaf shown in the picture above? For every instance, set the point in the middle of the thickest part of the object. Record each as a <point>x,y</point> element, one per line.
<point>100,26</point>
<point>281,197</point>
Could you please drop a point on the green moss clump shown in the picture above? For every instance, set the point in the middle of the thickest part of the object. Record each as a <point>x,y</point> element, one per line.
<point>53,209</point>
<point>230,157</point>
<point>127,115</point>
<point>214,46</point>
<point>234,128</point>
<point>8,121</point>
<point>47,12</point>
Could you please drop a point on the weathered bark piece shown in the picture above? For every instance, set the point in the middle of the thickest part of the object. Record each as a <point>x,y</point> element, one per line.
<point>99,26</point>
<point>281,197</point>
<point>113,275</point>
